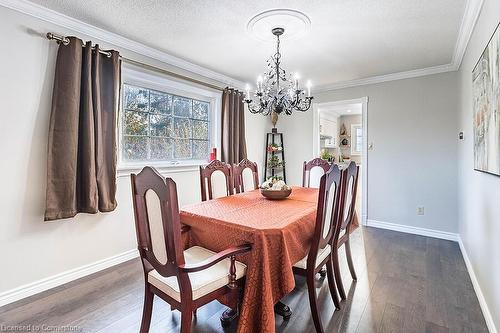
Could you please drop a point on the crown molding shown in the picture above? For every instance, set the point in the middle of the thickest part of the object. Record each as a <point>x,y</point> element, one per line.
<point>64,21</point>
<point>387,77</point>
<point>469,19</point>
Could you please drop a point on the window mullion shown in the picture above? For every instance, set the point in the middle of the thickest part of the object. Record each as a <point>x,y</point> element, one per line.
<point>161,124</point>
<point>149,125</point>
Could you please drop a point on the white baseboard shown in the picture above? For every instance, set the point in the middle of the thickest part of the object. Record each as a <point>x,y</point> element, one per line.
<point>64,277</point>
<point>413,230</point>
<point>477,288</point>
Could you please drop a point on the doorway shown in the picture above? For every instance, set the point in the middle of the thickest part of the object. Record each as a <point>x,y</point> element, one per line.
<point>340,132</point>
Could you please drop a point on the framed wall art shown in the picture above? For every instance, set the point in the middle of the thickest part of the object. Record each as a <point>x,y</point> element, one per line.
<point>486,107</point>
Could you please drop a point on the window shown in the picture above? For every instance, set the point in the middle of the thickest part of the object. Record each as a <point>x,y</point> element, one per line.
<point>164,126</point>
<point>357,139</point>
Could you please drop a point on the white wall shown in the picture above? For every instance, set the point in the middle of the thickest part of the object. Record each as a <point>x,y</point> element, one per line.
<point>31,248</point>
<point>478,202</point>
<point>413,126</point>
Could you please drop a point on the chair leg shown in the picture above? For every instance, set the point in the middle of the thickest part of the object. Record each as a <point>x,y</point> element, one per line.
<point>147,310</point>
<point>349,259</point>
<point>227,317</point>
<point>331,284</point>
<point>283,310</point>
<point>314,303</point>
<point>336,271</point>
<point>322,272</point>
<point>186,320</point>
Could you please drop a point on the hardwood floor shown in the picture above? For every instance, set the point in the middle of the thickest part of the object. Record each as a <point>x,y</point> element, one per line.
<point>406,283</point>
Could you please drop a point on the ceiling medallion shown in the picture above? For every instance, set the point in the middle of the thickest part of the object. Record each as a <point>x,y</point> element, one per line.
<point>276,93</point>
<point>296,23</point>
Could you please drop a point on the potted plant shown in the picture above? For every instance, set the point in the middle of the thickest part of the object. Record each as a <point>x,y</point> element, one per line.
<point>274,148</point>
<point>275,162</point>
<point>327,156</point>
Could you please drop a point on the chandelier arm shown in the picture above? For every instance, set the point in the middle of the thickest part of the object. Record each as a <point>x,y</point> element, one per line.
<point>306,106</point>
<point>266,111</point>
<point>253,110</point>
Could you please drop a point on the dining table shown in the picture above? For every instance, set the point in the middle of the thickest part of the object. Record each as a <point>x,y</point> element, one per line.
<point>280,233</point>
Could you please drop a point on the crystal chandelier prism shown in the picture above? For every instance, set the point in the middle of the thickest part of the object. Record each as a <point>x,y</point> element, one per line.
<point>276,92</point>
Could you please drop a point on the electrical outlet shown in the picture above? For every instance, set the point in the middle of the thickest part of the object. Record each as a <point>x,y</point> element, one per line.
<point>420,210</point>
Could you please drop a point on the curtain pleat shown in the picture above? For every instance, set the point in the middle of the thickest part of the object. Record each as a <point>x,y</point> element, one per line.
<point>81,163</point>
<point>233,148</point>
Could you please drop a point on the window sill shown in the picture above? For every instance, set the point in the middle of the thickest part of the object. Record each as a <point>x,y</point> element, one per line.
<point>164,169</point>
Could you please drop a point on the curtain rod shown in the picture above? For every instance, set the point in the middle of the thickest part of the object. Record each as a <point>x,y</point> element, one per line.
<point>65,41</point>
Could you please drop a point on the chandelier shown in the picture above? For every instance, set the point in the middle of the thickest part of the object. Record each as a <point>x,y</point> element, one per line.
<point>275,92</point>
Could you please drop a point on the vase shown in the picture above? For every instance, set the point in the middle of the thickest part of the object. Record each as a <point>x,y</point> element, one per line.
<point>274,118</point>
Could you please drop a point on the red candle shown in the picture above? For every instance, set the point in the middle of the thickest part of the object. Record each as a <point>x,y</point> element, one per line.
<point>213,154</point>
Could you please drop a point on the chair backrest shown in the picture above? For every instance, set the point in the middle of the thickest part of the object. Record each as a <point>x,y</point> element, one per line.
<point>157,222</point>
<point>216,180</point>
<point>312,172</point>
<point>349,191</point>
<point>245,175</point>
<point>328,211</point>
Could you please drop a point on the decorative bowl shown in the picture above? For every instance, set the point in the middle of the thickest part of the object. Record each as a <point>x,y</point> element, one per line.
<point>275,194</point>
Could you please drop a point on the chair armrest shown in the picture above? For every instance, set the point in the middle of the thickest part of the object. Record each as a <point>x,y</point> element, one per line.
<point>232,251</point>
<point>185,228</point>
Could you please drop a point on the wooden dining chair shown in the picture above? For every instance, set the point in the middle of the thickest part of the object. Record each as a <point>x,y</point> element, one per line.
<point>245,176</point>
<point>216,180</point>
<point>349,190</point>
<point>312,172</point>
<point>320,251</point>
<point>186,279</point>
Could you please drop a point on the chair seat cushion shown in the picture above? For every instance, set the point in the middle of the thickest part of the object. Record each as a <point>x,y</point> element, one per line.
<point>203,282</point>
<point>322,254</point>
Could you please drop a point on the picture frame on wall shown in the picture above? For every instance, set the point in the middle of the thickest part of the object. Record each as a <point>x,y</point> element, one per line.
<point>486,107</point>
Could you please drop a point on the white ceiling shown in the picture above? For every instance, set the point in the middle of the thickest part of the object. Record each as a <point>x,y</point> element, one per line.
<point>348,39</point>
<point>341,109</point>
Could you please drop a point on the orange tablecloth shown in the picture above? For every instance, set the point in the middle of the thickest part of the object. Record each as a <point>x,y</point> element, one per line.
<point>280,233</point>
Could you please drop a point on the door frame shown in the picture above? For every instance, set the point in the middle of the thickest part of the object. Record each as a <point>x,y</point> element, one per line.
<point>364,157</point>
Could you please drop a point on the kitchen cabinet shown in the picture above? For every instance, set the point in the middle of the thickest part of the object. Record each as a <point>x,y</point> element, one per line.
<point>328,133</point>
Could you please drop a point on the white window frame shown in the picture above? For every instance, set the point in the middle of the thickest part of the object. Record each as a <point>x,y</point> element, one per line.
<point>354,139</point>
<point>159,82</point>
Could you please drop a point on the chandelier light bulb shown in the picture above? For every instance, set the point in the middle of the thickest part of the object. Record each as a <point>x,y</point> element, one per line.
<point>259,83</point>
<point>247,88</point>
<point>309,88</point>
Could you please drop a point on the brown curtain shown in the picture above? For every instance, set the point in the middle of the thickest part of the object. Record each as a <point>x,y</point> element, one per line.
<point>233,148</point>
<point>81,165</point>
